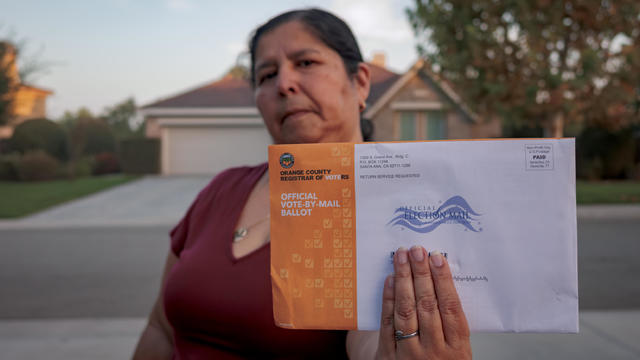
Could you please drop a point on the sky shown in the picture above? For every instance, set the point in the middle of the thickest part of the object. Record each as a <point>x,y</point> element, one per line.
<point>96,54</point>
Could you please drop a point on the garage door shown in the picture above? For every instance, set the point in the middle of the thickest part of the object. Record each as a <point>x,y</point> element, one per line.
<point>209,150</point>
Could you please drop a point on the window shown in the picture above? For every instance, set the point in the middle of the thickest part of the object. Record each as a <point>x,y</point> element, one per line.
<point>436,128</point>
<point>422,125</point>
<point>408,124</point>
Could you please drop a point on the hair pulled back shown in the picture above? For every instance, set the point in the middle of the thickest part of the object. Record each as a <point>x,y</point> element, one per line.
<point>328,28</point>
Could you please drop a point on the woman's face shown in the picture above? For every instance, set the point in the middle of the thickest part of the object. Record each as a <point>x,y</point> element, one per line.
<point>303,91</point>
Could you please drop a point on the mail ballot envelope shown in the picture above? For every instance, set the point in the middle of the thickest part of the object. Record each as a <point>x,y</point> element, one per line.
<point>503,212</point>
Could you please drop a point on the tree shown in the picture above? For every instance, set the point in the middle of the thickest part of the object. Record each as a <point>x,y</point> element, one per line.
<point>91,136</point>
<point>119,118</point>
<point>69,119</point>
<point>8,81</point>
<point>40,134</point>
<point>544,61</point>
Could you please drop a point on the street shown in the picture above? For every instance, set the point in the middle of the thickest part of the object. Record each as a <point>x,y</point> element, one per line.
<point>115,272</point>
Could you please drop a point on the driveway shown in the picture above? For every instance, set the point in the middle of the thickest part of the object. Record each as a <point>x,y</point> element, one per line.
<point>152,200</point>
<point>163,200</point>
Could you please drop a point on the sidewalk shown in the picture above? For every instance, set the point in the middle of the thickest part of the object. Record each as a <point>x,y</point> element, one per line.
<point>600,212</point>
<point>603,335</point>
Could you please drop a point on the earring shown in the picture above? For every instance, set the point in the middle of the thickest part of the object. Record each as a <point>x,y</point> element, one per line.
<point>362,106</point>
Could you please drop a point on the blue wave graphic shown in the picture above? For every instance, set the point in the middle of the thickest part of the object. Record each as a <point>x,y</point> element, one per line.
<point>454,210</point>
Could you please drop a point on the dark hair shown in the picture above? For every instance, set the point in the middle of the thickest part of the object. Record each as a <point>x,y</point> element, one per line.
<point>328,28</point>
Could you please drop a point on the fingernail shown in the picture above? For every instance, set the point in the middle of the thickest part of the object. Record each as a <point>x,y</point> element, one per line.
<point>416,253</point>
<point>402,255</point>
<point>436,258</point>
<point>390,281</point>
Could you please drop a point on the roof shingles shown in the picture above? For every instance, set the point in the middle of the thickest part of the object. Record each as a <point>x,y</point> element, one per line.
<point>234,92</point>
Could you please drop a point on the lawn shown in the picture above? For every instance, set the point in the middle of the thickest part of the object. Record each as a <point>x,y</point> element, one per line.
<point>608,192</point>
<point>22,198</point>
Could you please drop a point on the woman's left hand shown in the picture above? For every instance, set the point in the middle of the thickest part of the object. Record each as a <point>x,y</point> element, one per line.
<point>421,298</point>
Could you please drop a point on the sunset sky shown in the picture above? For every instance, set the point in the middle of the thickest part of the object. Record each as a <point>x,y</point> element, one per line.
<point>98,53</point>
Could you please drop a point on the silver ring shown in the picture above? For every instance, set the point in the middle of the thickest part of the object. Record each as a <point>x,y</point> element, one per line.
<point>401,336</point>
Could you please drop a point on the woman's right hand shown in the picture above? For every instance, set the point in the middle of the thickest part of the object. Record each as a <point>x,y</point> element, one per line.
<point>420,297</point>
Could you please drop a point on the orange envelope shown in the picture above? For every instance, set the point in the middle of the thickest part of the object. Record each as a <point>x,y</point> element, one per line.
<point>494,207</point>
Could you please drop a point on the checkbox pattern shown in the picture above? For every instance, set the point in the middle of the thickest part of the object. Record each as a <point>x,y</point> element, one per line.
<point>314,257</point>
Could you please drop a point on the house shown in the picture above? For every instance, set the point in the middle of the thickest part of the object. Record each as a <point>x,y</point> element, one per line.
<point>215,126</point>
<point>420,106</point>
<point>28,101</point>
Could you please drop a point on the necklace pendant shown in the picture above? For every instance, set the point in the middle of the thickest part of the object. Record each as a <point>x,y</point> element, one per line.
<point>239,234</point>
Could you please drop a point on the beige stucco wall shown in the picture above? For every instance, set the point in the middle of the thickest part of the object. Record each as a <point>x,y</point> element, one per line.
<point>417,90</point>
<point>28,103</point>
<point>152,128</point>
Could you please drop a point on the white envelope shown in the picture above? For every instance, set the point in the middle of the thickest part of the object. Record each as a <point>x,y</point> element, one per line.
<point>503,211</point>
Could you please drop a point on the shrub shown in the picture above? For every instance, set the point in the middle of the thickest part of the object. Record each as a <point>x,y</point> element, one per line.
<point>37,166</point>
<point>40,134</point>
<point>9,167</point>
<point>605,154</point>
<point>91,136</point>
<point>77,168</point>
<point>83,167</point>
<point>106,163</point>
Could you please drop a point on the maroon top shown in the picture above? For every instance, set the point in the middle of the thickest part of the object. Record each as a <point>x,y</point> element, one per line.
<point>221,307</point>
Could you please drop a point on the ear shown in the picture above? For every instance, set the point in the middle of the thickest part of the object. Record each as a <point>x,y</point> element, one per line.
<point>362,80</point>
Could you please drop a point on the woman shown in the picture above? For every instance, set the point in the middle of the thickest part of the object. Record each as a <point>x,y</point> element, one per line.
<point>310,86</point>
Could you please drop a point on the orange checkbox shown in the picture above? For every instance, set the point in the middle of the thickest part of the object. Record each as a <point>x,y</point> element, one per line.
<point>327,223</point>
<point>338,293</point>
<point>317,243</point>
<point>296,258</point>
<point>297,293</point>
<point>319,283</point>
<point>308,243</point>
<point>317,233</point>
<point>346,192</point>
<point>348,314</point>
<point>337,273</point>
<point>328,293</point>
<point>346,243</point>
<point>337,283</point>
<point>348,303</point>
<point>348,263</point>
<point>337,243</point>
<point>328,263</point>
<point>348,283</point>
<point>308,283</point>
<point>308,263</point>
<point>346,223</point>
<point>284,273</point>
<point>348,293</point>
<point>348,272</point>
<point>337,303</point>
<point>345,161</point>
<point>347,232</point>
<point>346,202</point>
<point>319,303</point>
<point>337,263</point>
<point>337,233</point>
<point>335,151</point>
<point>347,253</point>
<point>346,212</point>
<point>337,253</point>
